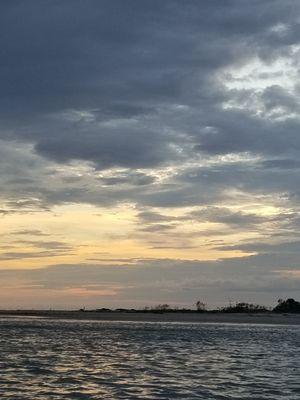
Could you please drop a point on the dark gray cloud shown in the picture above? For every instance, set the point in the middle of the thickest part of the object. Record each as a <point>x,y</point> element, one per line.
<point>267,248</point>
<point>238,131</point>
<point>129,178</point>
<point>150,217</point>
<point>157,228</point>
<point>281,164</point>
<point>103,81</point>
<point>225,216</point>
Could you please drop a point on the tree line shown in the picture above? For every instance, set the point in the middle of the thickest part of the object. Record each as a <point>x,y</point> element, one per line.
<point>283,306</point>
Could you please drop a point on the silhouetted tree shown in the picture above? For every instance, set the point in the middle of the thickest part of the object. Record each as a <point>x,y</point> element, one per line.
<point>201,307</point>
<point>287,306</point>
<point>162,307</point>
<point>244,308</point>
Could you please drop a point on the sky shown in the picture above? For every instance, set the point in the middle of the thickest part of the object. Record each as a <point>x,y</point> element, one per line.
<point>149,152</point>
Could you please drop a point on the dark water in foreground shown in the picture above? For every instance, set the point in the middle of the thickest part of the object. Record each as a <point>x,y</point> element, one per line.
<point>43,359</point>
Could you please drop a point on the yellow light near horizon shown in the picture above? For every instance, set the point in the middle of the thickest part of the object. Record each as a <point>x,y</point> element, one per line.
<point>98,235</point>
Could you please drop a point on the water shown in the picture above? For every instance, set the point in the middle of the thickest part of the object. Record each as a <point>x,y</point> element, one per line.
<point>43,359</point>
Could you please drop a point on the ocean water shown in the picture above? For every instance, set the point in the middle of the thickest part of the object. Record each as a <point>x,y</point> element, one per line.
<point>52,359</point>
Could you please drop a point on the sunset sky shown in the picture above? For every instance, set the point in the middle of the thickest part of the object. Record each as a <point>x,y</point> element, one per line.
<point>149,152</point>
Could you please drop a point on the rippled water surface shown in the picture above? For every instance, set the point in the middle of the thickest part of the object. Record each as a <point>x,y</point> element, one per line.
<point>46,359</point>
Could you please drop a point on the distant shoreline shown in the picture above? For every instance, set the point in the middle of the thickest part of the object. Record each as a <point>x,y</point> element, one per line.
<point>137,316</point>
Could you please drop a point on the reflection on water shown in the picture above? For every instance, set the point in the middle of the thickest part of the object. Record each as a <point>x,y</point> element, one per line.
<point>43,359</point>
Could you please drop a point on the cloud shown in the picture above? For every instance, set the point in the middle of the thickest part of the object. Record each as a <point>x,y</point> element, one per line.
<point>41,244</point>
<point>143,95</point>
<point>110,93</point>
<point>129,178</point>
<point>150,217</point>
<point>23,255</point>
<point>226,216</point>
<point>260,247</point>
<point>30,232</point>
<point>153,281</point>
<point>186,115</point>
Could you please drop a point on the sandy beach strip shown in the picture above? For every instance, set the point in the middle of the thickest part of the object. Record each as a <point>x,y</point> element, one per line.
<point>185,317</point>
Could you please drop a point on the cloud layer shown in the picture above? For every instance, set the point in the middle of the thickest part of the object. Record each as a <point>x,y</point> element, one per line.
<point>187,114</point>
